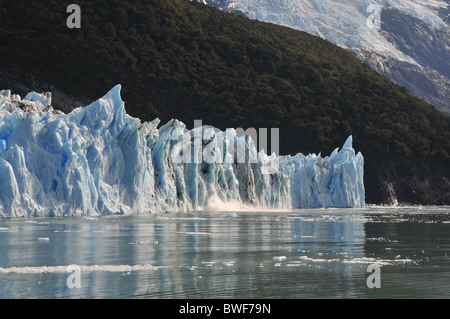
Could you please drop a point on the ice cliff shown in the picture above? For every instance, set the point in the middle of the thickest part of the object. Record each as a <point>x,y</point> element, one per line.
<point>99,160</point>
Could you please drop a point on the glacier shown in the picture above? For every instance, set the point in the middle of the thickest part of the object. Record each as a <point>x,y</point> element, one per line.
<point>98,160</point>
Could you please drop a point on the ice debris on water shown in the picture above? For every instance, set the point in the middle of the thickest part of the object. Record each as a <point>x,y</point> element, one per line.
<point>279,258</point>
<point>99,160</point>
<point>231,215</point>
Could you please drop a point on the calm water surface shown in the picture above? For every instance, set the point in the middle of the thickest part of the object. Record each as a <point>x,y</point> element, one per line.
<point>323,253</point>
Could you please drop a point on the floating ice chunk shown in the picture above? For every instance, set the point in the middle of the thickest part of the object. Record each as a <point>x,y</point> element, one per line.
<point>229,263</point>
<point>279,258</point>
<point>83,268</point>
<point>231,215</point>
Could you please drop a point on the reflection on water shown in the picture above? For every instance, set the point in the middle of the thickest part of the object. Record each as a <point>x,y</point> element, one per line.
<point>281,254</point>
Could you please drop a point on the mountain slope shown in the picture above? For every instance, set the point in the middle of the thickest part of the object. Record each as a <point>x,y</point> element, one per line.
<point>411,47</point>
<point>429,47</point>
<point>184,60</point>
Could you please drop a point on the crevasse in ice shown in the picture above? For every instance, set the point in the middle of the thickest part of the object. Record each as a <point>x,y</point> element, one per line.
<point>99,160</point>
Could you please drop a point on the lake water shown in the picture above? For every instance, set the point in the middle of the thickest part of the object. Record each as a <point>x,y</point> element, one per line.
<point>321,253</point>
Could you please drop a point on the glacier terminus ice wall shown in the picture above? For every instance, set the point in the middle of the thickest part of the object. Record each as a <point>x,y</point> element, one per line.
<point>99,160</point>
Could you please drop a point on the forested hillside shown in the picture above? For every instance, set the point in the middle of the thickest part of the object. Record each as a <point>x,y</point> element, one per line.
<point>184,60</point>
